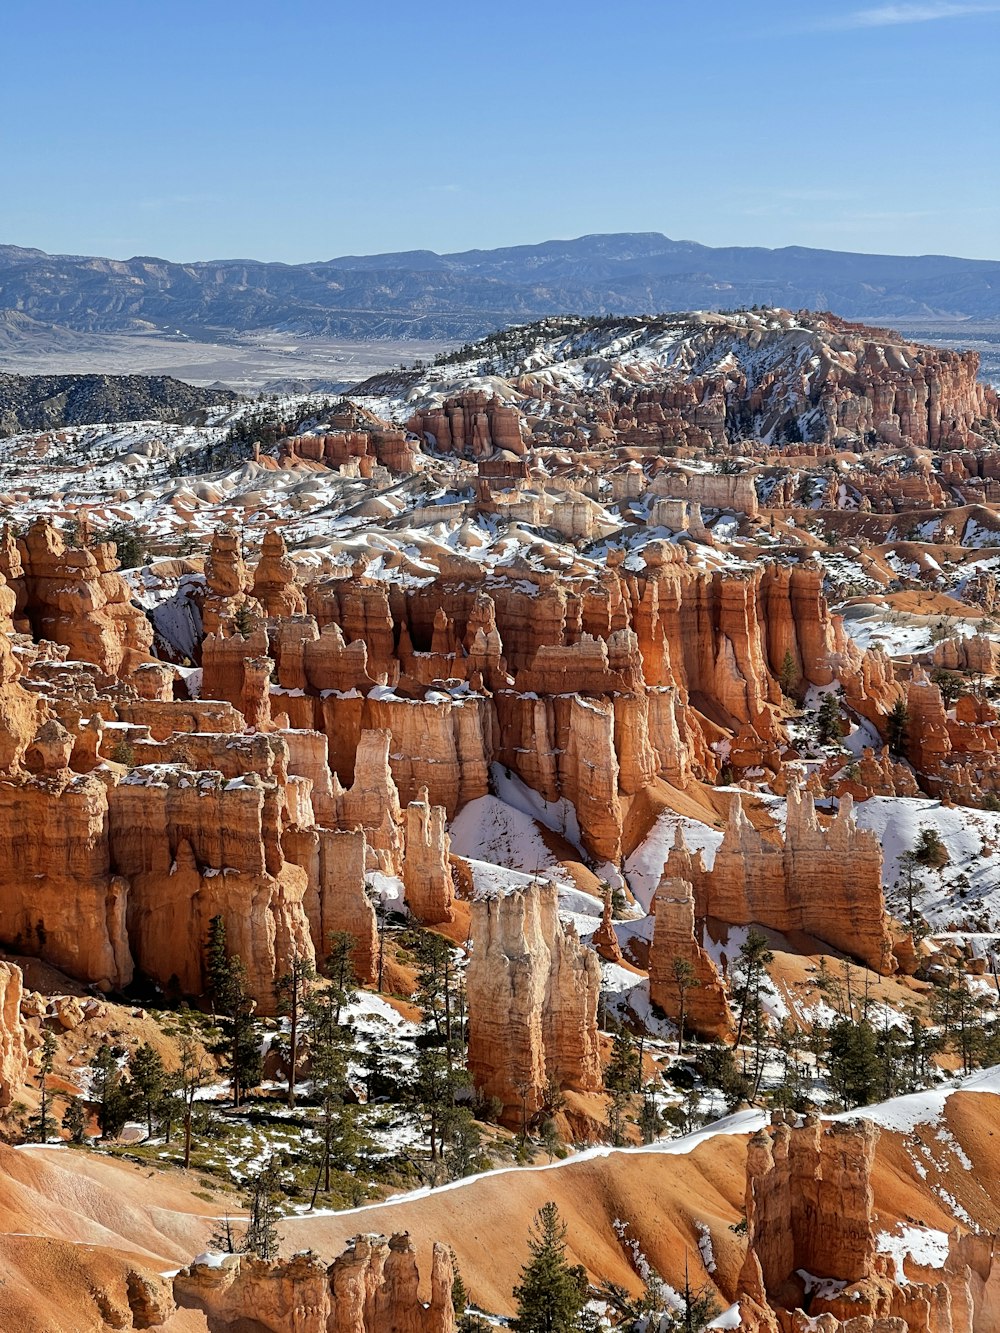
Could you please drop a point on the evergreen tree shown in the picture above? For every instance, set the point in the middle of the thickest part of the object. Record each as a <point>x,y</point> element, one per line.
<point>930,850</point>
<point>149,1081</point>
<point>959,1013</point>
<point>622,1072</point>
<point>329,1077</point>
<point>854,1062</point>
<point>261,1237</point>
<point>698,1310</point>
<point>910,880</point>
<point>751,977</point>
<point>552,1293</point>
<point>465,1144</point>
<point>751,986</point>
<point>108,1092</point>
<point>189,1078</point>
<point>240,1044</point>
<point>896,727</point>
<point>42,1125</point>
<point>950,685</point>
<point>650,1120</point>
<point>74,1120</point>
<point>828,720</point>
<point>620,1079</point>
<point>292,990</point>
<point>684,979</point>
<point>788,676</point>
<point>433,1093</point>
<point>245,620</point>
<point>340,967</point>
<point>440,996</point>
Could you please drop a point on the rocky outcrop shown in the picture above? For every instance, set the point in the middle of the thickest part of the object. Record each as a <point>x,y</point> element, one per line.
<point>372,801</point>
<point>809,1204</point>
<point>532,991</point>
<point>810,1213</point>
<point>228,581</point>
<point>826,881</point>
<point>713,490</point>
<point>373,1287</point>
<point>472,425</point>
<point>60,899</point>
<point>192,846</point>
<point>77,598</point>
<point>604,940</point>
<point>427,879</point>
<point>20,712</point>
<point>274,584</point>
<point>13,1046</point>
<point>706,1007</point>
<point>335,899</point>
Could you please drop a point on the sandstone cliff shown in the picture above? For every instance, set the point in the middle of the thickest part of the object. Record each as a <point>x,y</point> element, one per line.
<point>532,992</point>
<point>371,1288</point>
<point>825,881</point>
<point>706,1008</point>
<point>13,1046</point>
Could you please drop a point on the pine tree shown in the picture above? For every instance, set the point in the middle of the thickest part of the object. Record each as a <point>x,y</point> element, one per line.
<point>240,1046</point>
<point>108,1091</point>
<point>42,1125</point>
<point>959,1013</point>
<point>433,1094</point>
<point>684,979</point>
<point>292,990</point>
<point>439,994</point>
<point>751,986</point>
<point>340,967</point>
<point>622,1072</point>
<point>751,971</point>
<point>930,850</point>
<point>896,727</point>
<point>74,1120</point>
<point>828,720</point>
<point>698,1309</point>
<point>244,620</point>
<point>261,1237</point>
<point>189,1078</point>
<point>789,674</point>
<point>328,1055</point>
<point>149,1080</point>
<point>854,1062</point>
<point>552,1293</point>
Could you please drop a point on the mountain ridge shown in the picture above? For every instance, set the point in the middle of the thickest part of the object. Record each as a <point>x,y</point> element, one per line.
<point>463,294</point>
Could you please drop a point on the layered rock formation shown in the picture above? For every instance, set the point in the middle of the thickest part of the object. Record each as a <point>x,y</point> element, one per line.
<point>532,990</point>
<point>427,878</point>
<point>13,1045</point>
<point>59,896</point>
<point>228,581</point>
<point>604,940</point>
<point>193,845</point>
<point>825,881</point>
<point>472,424</point>
<point>705,999</point>
<point>77,598</point>
<point>371,1288</point>
<point>811,1215</point>
<point>274,584</point>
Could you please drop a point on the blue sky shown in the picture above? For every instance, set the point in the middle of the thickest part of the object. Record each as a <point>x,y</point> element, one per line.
<point>296,130</point>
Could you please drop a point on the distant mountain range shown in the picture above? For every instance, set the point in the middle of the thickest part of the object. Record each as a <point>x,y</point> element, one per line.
<point>420,294</point>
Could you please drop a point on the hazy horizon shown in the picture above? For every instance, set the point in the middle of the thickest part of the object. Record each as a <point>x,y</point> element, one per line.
<point>544,240</point>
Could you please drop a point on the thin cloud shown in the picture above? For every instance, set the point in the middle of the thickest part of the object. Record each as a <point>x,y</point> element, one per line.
<point>890,16</point>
